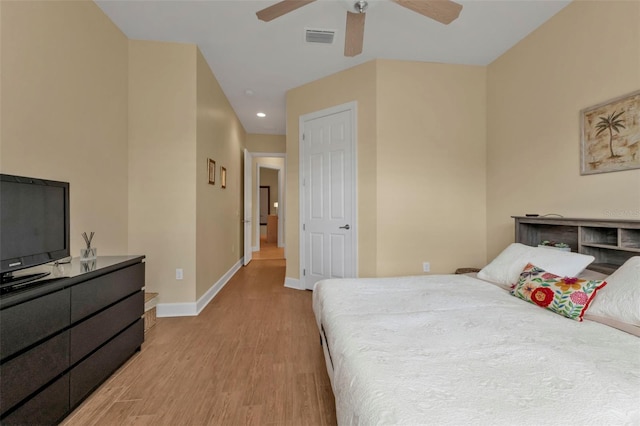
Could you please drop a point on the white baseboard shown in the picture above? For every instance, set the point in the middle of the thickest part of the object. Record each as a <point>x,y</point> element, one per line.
<point>211,293</point>
<point>293,283</point>
<point>194,308</point>
<point>176,310</point>
<point>255,248</point>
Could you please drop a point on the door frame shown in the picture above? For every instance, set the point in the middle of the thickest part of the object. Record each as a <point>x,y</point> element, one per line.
<point>282,171</point>
<point>247,214</point>
<point>280,199</point>
<point>352,108</point>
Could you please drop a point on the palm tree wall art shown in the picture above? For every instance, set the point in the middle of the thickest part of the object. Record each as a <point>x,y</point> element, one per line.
<point>612,123</point>
<point>610,139</point>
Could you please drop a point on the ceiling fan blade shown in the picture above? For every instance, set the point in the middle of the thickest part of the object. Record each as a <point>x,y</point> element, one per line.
<point>281,8</point>
<point>443,11</point>
<point>354,34</point>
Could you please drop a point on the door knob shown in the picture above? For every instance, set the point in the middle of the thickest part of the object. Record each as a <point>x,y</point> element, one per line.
<point>345,227</point>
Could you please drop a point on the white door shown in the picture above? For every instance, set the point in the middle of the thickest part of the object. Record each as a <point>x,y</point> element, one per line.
<point>328,231</point>
<point>248,253</point>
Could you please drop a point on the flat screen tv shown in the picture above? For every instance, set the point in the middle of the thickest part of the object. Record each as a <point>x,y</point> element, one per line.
<point>34,224</point>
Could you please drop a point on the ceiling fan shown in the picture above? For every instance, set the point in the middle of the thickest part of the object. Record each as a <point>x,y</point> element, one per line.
<point>443,11</point>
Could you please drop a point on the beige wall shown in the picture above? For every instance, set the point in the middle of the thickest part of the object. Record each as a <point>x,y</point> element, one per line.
<point>162,172</point>
<point>64,110</point>
<point>355,84</point>
<point>266,143</point>
<point>179,117</point>
<point>421,171</point>
<point>129,124</point>
<point>586,54</point>
<point>220,136</point>
<point>430,177</point>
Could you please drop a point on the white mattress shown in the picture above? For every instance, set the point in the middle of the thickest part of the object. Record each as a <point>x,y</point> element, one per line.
<point>456,350</point>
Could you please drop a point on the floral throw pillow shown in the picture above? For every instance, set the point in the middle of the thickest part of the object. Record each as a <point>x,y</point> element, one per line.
<point>566,296</point>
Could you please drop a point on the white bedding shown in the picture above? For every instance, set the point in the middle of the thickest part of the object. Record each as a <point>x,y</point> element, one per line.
<point>453,349</point>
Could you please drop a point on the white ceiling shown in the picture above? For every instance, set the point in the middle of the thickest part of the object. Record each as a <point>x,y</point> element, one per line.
<point>270,58</point>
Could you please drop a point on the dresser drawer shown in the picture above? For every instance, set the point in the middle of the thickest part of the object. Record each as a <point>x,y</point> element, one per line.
<point>48,407</point>
<point>91,372</point>
<point>98,293</point>
<point>31,370</point>
<point>25,324</point>
<point>89,334</point>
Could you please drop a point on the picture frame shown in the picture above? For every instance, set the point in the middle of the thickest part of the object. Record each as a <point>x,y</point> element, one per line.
<point>223,177</point>
<point>211,166</point>
<point>610,135</point>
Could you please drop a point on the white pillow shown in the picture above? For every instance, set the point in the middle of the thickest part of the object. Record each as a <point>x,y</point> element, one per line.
<point>507,266</point>
<point>620,299</point>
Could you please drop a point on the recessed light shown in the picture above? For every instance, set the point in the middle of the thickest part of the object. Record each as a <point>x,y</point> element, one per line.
<point>261,114</point>
<point>248,92</point>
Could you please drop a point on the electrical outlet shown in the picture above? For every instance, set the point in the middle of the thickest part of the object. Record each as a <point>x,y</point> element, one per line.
<point>179,274</point>
<point>426,266</point>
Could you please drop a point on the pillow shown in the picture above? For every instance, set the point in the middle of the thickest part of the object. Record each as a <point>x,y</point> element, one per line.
<point>566,296</point>
<point>621,300</point>
<point>507,266</point>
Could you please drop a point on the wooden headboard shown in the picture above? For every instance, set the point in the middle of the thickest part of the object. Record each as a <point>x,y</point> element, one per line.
<point>610,241</point>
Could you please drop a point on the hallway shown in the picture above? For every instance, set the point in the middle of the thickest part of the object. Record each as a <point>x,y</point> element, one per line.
<point>268,251</point>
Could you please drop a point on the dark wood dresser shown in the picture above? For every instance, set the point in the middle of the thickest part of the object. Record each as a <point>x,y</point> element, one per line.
<point>66,334</point>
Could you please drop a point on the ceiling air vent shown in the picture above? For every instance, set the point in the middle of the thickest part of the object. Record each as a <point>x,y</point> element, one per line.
<point>319,36</point>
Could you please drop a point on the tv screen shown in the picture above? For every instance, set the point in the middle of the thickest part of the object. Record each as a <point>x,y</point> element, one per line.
<point>34,222</point>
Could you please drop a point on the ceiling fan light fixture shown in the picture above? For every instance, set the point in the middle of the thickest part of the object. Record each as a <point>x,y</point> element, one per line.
<point>360,6</point>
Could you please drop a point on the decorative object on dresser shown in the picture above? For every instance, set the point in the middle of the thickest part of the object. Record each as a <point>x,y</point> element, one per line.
<point>90,253</point>
<point>610,133</point>
<point>62,337</point>
<point>611,241</point>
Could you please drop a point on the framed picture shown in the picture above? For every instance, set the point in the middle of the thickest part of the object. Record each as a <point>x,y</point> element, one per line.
<point>223,177</point>
<point>212,171</point>
<point>610,135</point>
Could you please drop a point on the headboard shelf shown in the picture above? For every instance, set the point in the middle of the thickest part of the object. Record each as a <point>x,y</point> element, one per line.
<point>610,241</point>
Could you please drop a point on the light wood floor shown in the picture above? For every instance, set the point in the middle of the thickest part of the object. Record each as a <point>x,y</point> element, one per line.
<point>252,356</point>
<point>268,251</point>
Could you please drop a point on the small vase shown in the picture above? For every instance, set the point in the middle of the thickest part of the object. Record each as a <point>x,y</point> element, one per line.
<point>88,254</point>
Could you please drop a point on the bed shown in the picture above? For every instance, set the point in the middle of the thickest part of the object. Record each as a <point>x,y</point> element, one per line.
<point>456,349</point>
